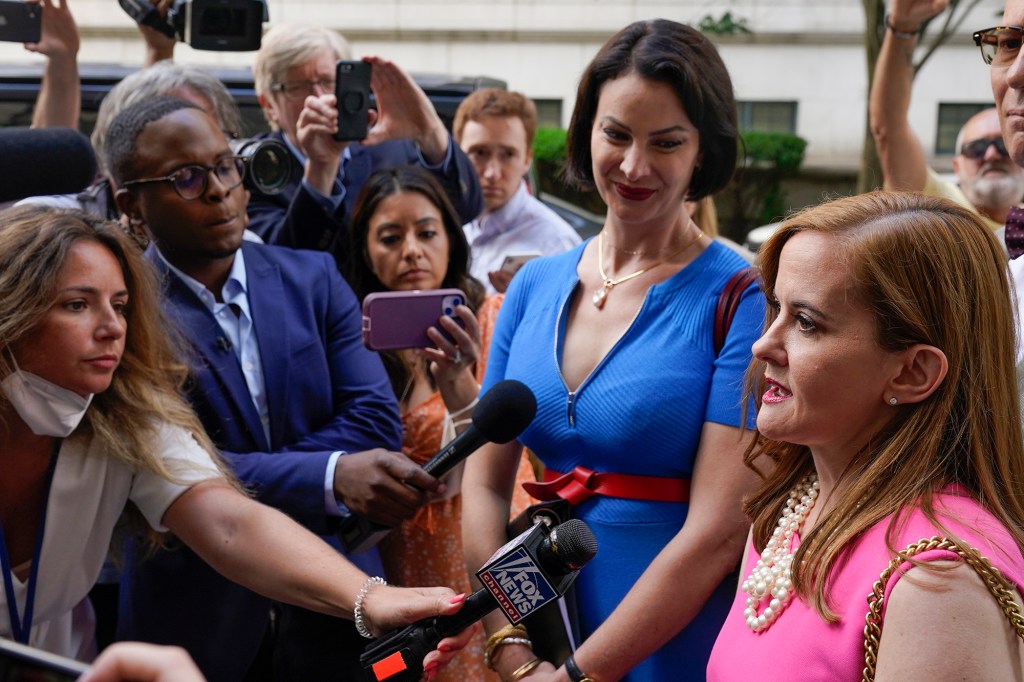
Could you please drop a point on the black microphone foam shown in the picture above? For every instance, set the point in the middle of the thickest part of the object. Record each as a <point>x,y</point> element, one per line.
<point>44,161</point>
<point>502,414</point>
<point>505,411</point>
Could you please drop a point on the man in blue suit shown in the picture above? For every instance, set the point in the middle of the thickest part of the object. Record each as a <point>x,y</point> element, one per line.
<point>294,75</point>
<point>301,410</point>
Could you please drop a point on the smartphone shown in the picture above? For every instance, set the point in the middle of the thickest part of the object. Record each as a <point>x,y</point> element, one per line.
<point>394,320</point>
<point>20,22</point>
<point>20,663</point>
<point>352,88</point>
<point>514,261</point>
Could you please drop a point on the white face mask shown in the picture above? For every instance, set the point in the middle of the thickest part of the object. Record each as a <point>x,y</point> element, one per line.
<point>48,409</point>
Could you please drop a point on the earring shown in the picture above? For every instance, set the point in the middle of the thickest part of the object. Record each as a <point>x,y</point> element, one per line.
<point>892,400</point>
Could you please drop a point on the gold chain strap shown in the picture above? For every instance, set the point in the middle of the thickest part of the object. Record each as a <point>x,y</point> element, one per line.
<point>998,585</point>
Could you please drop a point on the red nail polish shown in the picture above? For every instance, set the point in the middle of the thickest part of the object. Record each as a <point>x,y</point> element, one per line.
<point>458,598</point>
<point>444,647</point>
<point>430,667</point>
<point>431,675</point>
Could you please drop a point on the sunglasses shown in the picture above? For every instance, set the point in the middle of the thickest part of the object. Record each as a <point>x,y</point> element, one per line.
<point>976,149</point>
<point>192,181</point>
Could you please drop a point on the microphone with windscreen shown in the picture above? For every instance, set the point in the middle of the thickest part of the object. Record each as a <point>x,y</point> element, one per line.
<point>502,414</point>
<point>526,575</point>
<point>44,161</point>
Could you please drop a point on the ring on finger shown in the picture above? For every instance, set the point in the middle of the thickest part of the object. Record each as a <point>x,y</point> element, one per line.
<point>457,357</point>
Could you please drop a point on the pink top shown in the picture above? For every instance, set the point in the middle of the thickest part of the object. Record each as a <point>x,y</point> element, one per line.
<point>799,645</point>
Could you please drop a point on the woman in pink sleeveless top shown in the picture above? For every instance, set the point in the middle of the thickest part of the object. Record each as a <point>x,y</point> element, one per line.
<point>888,414</point>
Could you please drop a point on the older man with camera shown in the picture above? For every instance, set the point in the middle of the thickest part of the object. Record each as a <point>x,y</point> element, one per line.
<point>295,74</point>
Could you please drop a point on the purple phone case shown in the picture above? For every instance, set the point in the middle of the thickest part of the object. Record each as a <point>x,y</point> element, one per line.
<point>394,320</point>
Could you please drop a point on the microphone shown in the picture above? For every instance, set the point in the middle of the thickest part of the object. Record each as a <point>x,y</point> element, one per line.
<point>501,415</point>
<point>525,575</point>
<point>44,161</point>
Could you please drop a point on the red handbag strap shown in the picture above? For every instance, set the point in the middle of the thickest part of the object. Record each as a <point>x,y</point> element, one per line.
<point>729,301</point>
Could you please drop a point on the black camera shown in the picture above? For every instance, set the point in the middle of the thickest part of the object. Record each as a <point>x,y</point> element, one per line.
<point>268,164</point>
<point>225,25</point>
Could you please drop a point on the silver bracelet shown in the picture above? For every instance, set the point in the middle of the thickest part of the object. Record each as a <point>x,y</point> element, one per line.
<point>357,612</point>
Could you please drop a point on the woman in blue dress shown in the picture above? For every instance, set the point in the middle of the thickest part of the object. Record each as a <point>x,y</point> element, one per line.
<point>615,339</point>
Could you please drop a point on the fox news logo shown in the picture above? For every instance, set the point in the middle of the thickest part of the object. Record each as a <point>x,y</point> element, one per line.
<point>518,585</point>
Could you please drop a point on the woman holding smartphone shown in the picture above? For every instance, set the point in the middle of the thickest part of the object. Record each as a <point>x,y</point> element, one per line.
<point>639,421</point>
<point>406,236</point>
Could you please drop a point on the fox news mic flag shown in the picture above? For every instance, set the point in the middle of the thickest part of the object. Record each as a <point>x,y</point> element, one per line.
<point>527,574</point>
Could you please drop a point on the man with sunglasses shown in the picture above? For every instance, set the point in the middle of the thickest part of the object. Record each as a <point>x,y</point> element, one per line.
<point>989,182</point>
<point>283,385</point>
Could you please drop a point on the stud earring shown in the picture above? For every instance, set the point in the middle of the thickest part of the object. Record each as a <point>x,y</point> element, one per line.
<point>892,400</point>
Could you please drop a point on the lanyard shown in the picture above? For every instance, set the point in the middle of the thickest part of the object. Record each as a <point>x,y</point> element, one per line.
<point>22,627</point>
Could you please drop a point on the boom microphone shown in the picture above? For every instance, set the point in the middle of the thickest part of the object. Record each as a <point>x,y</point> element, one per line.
<point>502,414</point>
<point>44,161</point>
<point>525,575</point>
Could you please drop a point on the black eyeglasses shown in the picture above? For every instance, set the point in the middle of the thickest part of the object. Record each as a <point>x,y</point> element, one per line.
<point>976,149</point>
<point>191,181</point>
<point>298,91</point>
<point>999,44</point>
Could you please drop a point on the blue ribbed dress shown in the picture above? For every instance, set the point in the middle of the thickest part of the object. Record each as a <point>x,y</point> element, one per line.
<point>639,412</point>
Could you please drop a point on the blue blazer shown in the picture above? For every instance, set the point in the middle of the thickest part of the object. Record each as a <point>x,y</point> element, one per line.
<point>290,218</point>
<point>325,392</point>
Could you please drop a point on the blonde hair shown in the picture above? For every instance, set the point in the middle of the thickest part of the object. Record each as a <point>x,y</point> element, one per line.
<point>288,45</point>
<point>145,390</point>
<point>931,273</point>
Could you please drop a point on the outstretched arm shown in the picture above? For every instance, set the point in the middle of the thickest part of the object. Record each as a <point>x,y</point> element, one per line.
<point>899,150</point>
<point>264,550</point>
<point>60,94</point>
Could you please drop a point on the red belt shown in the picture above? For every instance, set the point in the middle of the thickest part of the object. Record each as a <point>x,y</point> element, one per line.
<point>581,484</point>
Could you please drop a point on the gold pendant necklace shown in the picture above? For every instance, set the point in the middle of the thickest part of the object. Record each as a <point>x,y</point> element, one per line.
<point>607,283</point>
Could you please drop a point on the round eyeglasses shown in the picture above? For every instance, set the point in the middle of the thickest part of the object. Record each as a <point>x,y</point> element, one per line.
<point>192,181</point>
<point>999,45</point>
<point>976,149</point>
<point>298,91</point>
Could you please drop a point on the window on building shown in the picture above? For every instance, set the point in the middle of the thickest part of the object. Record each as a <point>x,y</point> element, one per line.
<point>952,117</point>
<point>767,117</point>
<point>549,112</point>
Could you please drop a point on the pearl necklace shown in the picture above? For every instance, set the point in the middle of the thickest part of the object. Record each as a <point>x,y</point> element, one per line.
<point>773,573</point>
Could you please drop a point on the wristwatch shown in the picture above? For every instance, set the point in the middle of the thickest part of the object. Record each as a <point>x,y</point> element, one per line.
<point>575,674</point>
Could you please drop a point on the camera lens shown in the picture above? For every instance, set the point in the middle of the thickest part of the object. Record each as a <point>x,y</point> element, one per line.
<point>268,165</point>
<point>220,21</point>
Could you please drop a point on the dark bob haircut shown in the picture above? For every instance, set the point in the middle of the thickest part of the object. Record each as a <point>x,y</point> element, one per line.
<point>383,184</point>
<point>681,57</point>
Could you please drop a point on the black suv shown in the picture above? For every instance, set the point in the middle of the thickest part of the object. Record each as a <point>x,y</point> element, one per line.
<point>19,87</point>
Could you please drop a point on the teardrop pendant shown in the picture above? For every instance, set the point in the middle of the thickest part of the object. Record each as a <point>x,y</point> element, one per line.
<point>599,297</point>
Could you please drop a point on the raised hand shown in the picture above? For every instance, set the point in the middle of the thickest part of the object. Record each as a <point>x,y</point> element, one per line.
<point>908,15</point>
<point>404,111</point>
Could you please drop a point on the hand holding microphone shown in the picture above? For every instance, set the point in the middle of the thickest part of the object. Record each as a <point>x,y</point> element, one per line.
<point>501,415</point>
<point>528,573</point>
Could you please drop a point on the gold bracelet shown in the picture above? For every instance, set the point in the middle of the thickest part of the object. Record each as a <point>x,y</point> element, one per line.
<point>524,670</point>
<point>495,640</point>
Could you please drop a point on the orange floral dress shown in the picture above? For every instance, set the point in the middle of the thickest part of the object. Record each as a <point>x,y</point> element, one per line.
<point>427,550</point>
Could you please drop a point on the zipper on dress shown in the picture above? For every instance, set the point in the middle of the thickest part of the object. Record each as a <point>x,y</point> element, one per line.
<point>570,406</point>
